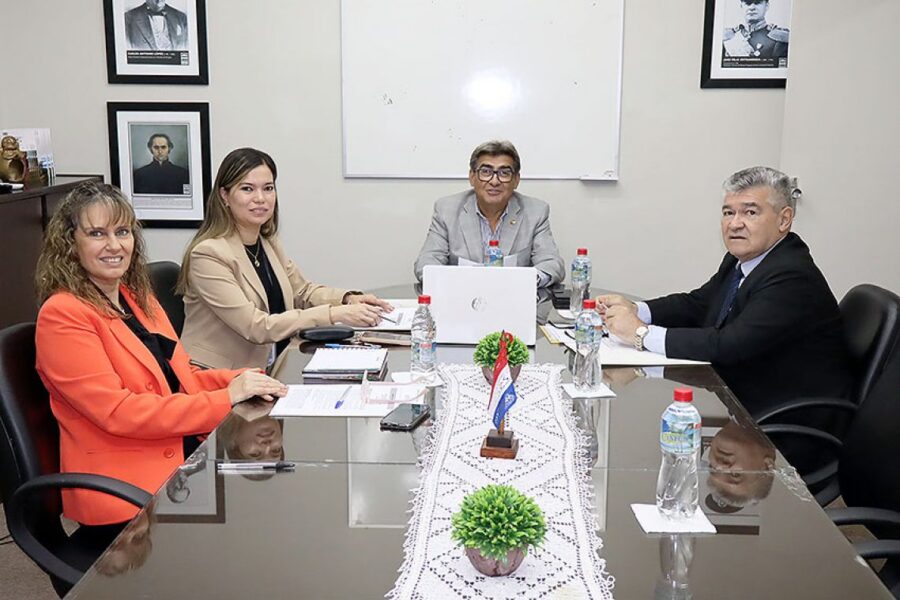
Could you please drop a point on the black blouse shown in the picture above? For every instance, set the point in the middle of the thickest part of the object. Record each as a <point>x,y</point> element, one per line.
<point>162,349</point>
<point>274,294</point>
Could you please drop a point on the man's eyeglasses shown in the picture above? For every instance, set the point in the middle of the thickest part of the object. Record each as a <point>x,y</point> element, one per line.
<point>486,173</point>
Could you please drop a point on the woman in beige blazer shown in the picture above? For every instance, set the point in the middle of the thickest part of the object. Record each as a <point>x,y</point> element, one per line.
<point>243,297</point>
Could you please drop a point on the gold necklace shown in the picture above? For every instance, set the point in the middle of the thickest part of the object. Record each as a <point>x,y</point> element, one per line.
<point>254,255</point>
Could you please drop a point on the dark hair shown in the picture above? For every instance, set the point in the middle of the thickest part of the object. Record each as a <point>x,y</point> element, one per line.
<point>495,148</point>
<point>162,135</point>
<point>218,220</point>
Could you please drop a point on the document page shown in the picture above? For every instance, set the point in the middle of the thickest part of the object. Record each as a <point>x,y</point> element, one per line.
<point>327,401</point>
<point>613,352</point>
<point>346,359</point>
<point>399,319</point>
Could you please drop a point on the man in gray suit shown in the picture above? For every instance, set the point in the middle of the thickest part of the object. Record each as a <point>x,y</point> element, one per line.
<point>464,224</point>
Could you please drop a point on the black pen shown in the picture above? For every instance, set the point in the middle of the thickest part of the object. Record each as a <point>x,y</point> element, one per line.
<point>280,465</point>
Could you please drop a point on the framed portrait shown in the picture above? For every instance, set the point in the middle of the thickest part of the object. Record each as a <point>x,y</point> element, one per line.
<point>159,158</point>
<point>745,43</point>
<point>194,493</point>
<point>156,41</point>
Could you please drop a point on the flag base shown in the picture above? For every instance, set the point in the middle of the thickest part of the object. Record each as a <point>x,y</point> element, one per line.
<point>500,445</point>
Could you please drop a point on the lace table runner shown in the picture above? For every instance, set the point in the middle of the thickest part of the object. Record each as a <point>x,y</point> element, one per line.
<point>552,467</point>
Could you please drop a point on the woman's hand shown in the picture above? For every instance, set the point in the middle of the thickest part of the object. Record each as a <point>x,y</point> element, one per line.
<point>369,299</point>
<point>253,382</point>
<point>357,315</point>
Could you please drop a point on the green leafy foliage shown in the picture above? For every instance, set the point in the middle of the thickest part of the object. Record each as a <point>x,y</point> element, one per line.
<point>489,347</point>
<point>497,519</point>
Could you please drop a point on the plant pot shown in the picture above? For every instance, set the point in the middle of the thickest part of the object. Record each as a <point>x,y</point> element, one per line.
<point>489,373</point>
<point>493,567</point>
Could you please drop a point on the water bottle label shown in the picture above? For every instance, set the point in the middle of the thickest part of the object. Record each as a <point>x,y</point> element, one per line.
<point>679,438</point>
<point>423,353</point>
<point>580,273</point>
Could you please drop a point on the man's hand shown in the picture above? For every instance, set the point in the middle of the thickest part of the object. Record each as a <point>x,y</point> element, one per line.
<point>607,301</point>
<point>622,322</point>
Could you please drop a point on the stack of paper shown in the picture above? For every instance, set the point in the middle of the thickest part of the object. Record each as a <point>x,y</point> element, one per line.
<point>347,364</point>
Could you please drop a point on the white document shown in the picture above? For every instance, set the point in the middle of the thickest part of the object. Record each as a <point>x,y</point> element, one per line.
<point>346,359</point>
<point>613,352</point>
<point>399,319</point>
<point>344,400</point>
<point>652,521</point>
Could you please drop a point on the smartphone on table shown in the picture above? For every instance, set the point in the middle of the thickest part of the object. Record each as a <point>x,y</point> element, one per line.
<point>405,417</point>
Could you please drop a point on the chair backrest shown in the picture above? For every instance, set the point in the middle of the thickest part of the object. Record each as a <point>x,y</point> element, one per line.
<point>163,278</point>
<point>869,471</point>
<point>30,442</point>
<point>871,318</point>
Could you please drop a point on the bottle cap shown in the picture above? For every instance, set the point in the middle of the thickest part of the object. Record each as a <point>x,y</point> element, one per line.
<point>424,299</point>
<point>582,252</point>
<point>494,243</point>
<point>589,304</point>
<point>684,394</point>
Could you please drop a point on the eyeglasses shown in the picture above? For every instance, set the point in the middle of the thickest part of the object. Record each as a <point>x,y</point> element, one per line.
<point>486,173</point>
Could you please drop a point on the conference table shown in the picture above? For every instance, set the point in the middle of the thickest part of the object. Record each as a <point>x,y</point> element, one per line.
<point>335,526</point>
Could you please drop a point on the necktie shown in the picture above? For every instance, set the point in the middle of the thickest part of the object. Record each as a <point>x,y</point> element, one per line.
<point>733,284</point>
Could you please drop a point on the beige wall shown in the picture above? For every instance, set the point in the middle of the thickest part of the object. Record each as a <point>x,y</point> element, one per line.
<point>275,84</point>
<point>842,137</point>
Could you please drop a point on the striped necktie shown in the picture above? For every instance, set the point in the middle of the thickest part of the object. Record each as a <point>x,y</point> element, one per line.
<point>734,282</point>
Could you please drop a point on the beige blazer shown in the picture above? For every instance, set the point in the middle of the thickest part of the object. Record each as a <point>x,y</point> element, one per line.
<point>227,324</point>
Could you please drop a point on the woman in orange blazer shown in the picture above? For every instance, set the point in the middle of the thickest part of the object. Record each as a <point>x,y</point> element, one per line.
<point>127,399</point>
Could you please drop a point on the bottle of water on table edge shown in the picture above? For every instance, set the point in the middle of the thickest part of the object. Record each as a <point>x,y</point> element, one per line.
<point>581,280</point>
<point>588,335</point>
<point>494,257</point>
<point>422,334</point>
<point>678,487</point>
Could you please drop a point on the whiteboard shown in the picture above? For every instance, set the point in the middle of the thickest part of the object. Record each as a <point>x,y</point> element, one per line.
<point>424,82</point>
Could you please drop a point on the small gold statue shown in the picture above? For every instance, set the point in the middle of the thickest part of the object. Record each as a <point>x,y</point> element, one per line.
<point>13,167</point>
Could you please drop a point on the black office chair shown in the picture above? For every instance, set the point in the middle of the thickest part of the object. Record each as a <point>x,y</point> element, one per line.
<point>29,465</point>
<point>163,278</point>
<point>869,472</point>
<point>871,317</point>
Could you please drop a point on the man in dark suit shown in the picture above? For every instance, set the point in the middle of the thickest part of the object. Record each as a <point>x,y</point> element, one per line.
<point>766,320</point>
<point>155,26</point>
<point>161,176</point>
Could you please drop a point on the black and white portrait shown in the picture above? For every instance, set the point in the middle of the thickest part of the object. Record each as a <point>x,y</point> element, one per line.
<point>745,43</point>
<point>156,41</point>
<point>755,35</point>
<point>156,25</point>
<point>160,159</point>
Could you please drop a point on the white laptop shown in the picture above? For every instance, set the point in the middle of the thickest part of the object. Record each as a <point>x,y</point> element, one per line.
<point>469,302</point>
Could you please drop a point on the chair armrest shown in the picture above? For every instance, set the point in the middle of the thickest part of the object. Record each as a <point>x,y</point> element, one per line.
<point>801,403</point>
<point>31,546</point>
<point>862,515</point>
<point>878,549</point>
<point>821,475</point>
<point>803,431</point>
<point>829,493</point>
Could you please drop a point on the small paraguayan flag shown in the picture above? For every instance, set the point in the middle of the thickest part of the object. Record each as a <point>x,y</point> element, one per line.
<point>503,393</point>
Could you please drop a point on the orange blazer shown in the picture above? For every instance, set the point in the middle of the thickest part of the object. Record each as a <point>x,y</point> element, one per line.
<point>116,414</point>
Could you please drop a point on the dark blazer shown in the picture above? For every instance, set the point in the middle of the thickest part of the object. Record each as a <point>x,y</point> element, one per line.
<point>140,33</point>
<point>782,339</point>
<point>161,178</point>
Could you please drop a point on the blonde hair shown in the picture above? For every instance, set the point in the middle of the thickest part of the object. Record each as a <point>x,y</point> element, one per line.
<point>60,270</point>
<point>218,221</point>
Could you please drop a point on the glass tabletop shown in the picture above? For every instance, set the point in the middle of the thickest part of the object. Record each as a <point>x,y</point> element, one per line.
<point>334,527</point>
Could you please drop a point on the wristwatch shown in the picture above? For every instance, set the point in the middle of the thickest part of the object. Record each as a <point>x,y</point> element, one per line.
<point>639,334</point>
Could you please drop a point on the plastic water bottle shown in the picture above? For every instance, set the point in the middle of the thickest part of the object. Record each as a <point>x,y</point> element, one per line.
<point>678,488</point>
<point>581,280</point>
<point>493,258</point>
<point>588,334</point>
<point>676,553</point>
<point>422,336</point>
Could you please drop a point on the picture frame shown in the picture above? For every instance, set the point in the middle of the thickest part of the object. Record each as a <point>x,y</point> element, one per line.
<point>195,493</point>
<point>159,158</point>
<point>156,41</point>
<point>745,43</point>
